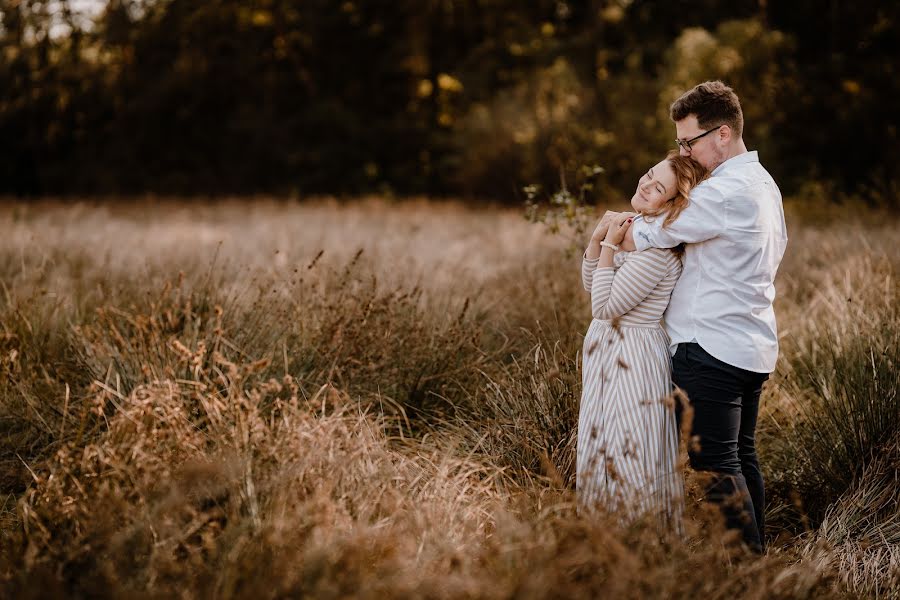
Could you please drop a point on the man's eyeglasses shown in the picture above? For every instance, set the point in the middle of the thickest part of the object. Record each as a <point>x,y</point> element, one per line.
<point>686,144</point>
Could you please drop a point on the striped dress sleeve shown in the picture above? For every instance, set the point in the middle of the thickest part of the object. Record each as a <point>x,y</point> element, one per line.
<point>587,271</point>
<point>614,292</point>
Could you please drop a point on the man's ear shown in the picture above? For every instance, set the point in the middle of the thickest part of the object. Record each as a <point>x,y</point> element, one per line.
<point>725,134</point>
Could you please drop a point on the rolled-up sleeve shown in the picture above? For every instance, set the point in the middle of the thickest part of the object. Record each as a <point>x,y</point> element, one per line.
<point>703,219</point>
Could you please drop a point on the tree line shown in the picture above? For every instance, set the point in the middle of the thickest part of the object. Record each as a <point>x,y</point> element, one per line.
<point>471,98</point>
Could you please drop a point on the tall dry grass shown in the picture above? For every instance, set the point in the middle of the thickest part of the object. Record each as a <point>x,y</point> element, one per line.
<point>380,399</point>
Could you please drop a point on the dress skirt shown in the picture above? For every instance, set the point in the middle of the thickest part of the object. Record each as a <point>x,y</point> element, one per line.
<point>627,452</point>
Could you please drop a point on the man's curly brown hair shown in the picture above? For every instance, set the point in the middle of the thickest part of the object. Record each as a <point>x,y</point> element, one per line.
<point>714,103</point>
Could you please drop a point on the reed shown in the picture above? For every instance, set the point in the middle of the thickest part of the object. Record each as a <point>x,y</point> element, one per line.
<point>380,399</point>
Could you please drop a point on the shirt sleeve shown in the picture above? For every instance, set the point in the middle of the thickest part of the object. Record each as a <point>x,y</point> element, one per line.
<point>587,271</point>
<point>614,292</point>
<point>703,219</point>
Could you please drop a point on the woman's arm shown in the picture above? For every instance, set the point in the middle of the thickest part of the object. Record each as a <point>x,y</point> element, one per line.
<point>593,250</point>
<point>615,292</point>
<point>588,265</point>
<point>596,256</point>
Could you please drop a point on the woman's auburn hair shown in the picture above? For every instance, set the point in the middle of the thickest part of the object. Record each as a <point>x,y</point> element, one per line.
<point>688,173</point>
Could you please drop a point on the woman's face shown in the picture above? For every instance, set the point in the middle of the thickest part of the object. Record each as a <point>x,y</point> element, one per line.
<point>655,188</point>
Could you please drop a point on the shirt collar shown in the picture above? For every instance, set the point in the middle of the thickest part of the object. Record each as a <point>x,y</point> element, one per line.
<point>740,159</point>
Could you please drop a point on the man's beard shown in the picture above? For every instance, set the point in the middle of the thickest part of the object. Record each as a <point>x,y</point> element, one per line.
<point>721,155</point>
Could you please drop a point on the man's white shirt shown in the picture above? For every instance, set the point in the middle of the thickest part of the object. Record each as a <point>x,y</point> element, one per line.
<point>735,237</point>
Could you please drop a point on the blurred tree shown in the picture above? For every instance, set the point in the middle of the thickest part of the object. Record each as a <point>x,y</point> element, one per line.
<point>438,96</point>
<point>749,57</point>
<point>840,123</point>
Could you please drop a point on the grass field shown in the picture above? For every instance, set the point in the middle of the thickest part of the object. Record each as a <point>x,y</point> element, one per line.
<point>379,399</point>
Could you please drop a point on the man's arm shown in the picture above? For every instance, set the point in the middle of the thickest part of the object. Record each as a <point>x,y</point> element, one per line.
<point>628,242</point>
<point>703,219</point>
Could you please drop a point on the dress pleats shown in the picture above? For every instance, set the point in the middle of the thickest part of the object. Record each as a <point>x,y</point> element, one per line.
<point>627,434</point>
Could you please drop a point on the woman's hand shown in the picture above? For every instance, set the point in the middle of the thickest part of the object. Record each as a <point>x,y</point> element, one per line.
<point>610,222</point>
<point>617,228</point>
<point>603,226</point>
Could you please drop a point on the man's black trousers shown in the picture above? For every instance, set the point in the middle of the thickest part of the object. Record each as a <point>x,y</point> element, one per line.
<point>725,402</point>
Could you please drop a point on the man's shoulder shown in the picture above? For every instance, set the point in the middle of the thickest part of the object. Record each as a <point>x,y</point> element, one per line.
<point>746,175</point>
<point>733,182</point>
<point>712,189</point>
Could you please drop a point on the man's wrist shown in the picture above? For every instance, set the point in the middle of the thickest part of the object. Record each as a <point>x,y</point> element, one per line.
<point>629,241</point>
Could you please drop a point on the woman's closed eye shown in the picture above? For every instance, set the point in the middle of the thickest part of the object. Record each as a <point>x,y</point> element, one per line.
<point>656,186</point>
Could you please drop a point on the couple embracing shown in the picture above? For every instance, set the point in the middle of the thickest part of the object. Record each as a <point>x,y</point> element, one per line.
<point>700,254</point>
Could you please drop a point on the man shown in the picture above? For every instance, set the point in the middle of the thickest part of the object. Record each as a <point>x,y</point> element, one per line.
<point>720,318</point>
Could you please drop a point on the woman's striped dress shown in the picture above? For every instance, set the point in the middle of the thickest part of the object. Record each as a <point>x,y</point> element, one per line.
<point>627,434</point>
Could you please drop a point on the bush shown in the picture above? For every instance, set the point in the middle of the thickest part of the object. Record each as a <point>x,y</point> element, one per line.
<point>838,390</point>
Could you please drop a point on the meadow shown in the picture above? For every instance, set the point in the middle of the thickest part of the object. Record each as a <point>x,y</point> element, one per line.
<point>379,399</point>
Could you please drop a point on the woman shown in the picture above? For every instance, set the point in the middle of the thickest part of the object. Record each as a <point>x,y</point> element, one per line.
<point>627,434</point>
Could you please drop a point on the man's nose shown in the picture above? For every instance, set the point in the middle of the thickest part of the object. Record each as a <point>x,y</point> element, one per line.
<point>683,151</point>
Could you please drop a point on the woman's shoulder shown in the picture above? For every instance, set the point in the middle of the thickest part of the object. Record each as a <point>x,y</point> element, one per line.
<point>661,256</point>
<point>651,253</point>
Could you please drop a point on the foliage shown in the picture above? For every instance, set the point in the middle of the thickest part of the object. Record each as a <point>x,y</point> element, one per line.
<point>564,213</point>
<point>752,59</point>
<point>469,97</point>
<point>840,382</point>
<point>392,421</point>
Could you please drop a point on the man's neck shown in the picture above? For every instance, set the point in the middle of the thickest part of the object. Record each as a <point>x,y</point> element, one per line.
<point>736,149</point>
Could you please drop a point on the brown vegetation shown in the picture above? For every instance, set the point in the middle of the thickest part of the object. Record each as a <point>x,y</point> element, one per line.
<point>373,400</point>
